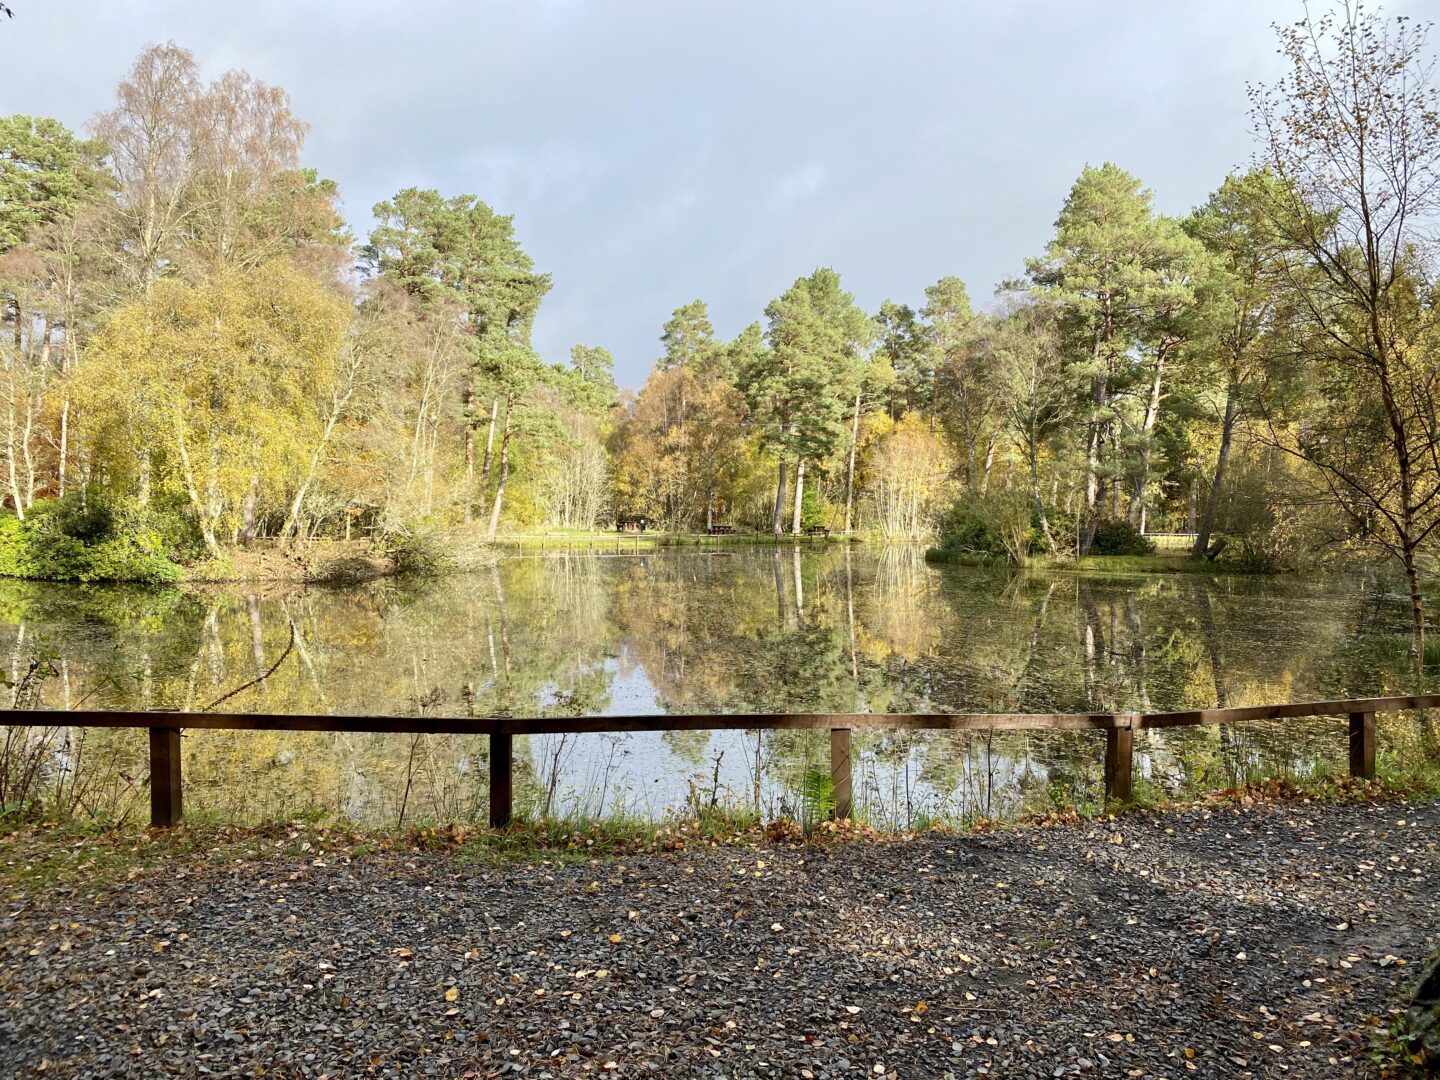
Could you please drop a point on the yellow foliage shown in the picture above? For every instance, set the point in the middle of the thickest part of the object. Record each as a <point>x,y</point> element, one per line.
<point>907,471</point>
<point>216,387</point>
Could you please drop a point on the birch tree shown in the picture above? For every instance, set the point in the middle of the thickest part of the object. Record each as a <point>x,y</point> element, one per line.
<point>1352,132</point>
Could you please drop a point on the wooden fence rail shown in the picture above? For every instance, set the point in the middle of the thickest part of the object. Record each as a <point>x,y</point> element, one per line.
<point>165,727</point>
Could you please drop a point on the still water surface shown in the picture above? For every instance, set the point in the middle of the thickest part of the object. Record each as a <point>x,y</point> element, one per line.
<point>749,630</point>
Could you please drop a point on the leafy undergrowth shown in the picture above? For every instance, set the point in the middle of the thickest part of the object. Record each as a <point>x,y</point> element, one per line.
<point>1397,1057</point>
<point>38,854</point>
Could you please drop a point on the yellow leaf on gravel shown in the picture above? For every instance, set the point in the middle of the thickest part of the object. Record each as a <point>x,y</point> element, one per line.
<point>453,994</point>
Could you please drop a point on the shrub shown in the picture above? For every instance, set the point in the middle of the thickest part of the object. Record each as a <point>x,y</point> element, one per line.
<point>89,518</point>
<point>994,526</point>
<point>1260,524</point>
<point>86,537</point>
<point>419,551</point>
<point>1120,538</point>
<point>812,508</point>
<point>131,558</point>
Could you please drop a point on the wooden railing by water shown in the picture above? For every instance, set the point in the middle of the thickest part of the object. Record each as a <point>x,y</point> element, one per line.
<point>165,727</point>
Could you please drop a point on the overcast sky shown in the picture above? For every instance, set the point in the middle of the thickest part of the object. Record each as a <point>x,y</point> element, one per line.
<point>652,153</point>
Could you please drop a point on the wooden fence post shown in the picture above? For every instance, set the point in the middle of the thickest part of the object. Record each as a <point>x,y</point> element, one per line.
<point>165,800</point>
<point>1362,745</point>
<point>501,770</point>
<point>1119,760</point>
<point>841,792</point>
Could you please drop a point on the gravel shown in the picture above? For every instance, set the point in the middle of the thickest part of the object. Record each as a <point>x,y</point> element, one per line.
<point>1219,941</point>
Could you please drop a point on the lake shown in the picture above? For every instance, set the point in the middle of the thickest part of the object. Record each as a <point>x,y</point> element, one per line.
<point>790,629</point>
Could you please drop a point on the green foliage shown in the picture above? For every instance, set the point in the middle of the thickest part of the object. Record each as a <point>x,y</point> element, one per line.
<point>186,333</point>
<point>45,173</point>
<point>418,551</point>
<point>590,379</point>
<point>1393,650</point>
<point>817,798</point>
<point>994,526</point>
<point>688,337</point>
<point>1120,538</point>
<point>1256,524</point>
<point>1007,527</point>
<point>903,364</point>
<point>91,538</point>
<point>800,387</point>
<point>812,509</point>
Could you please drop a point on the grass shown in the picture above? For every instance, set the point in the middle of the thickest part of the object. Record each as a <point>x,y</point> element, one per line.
<point>1394,650</point>
<point>37,854</point>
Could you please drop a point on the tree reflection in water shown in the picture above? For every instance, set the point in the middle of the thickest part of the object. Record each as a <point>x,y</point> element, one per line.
<point>802,629</point>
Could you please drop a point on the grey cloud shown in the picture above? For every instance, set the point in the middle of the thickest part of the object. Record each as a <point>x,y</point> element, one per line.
<point>655,152</point>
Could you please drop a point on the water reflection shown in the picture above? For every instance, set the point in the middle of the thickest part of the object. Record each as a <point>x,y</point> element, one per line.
<point>750,630</point>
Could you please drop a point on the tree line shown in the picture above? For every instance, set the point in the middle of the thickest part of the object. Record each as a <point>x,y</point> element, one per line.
<point>191,332</point>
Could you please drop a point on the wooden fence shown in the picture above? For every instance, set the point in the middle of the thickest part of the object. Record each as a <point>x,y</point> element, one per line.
<point>1119,728</point>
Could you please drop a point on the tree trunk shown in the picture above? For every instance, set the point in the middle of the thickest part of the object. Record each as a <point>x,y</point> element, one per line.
<point>203,517</point>
<point>1099,429</point>
<point>317,456</point>
<point>66,352</point>
<point>989,465</point>
<point>850,466</point>
<point>504,473</point>
<point>1152,413</point>
<point>469,496</point>
<point>1032,453</point>
<point>26,436</point>
<point>490,438</point>
<point>1417,615</point>
<point>1212,502</point>
<point>778,521</point>
<point>13,474</point>
<point>799,496</point>
<point>1404,468</point>
<point>247,511</point>
<point>969,439</point>
<point>64,450</point>
<point>1085,537</point>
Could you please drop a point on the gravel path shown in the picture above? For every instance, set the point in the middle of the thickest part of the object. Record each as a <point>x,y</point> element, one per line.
<point>1214,941</point>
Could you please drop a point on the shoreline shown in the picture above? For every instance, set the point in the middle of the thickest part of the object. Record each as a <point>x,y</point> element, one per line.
<point>342,564</point>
